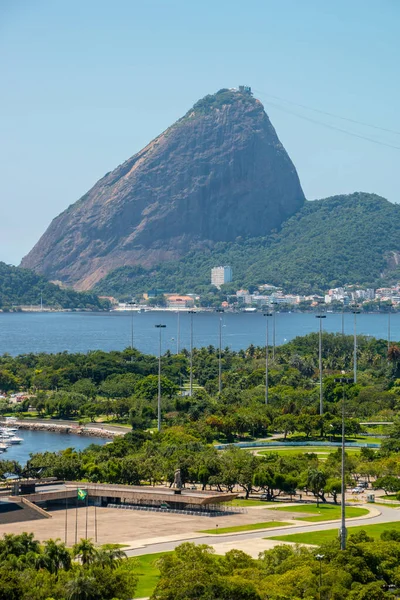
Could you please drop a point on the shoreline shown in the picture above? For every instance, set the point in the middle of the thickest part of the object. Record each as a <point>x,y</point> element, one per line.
<point>73,429</point>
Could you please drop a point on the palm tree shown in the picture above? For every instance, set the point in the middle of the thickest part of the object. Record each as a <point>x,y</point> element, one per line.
<point>18,544</point>
<point>394,358</point>
<point>82,588</point>
<point>109,556</point>
<point>85,550</point>
<point>55,556</point>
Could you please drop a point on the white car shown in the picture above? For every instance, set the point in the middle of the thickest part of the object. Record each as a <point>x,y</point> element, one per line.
<point>357,490</point>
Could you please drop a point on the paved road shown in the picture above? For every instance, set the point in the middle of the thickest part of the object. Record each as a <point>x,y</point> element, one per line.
<point>387,515</point>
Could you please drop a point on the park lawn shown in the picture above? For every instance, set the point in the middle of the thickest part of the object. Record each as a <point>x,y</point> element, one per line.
<point>148,573</point>
<point>321,451</point>
<point>325,512</point>
<point>316,538</point>
<point>248,527</point>
<point>249,502</point>
<point>366,439</point>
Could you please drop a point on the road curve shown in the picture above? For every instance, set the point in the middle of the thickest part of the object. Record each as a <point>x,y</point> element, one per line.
<point>386,516</point>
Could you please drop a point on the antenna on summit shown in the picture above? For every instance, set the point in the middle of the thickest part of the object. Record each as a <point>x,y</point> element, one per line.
<point>245,89</point>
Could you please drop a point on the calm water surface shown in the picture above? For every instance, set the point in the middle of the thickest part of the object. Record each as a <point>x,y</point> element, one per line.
<point>21,333</point>
<point>42,441</point>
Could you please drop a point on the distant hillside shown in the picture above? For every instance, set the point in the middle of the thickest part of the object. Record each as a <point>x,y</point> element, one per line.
<point>218,173</point>
<point>343,239</point>
<point>23,287</point>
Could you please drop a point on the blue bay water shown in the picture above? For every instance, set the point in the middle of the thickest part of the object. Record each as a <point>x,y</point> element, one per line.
<point>46,441</point>
<point>21,333</point>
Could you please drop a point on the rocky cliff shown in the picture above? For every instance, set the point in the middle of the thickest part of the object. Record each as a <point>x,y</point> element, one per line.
<point>219,173</point>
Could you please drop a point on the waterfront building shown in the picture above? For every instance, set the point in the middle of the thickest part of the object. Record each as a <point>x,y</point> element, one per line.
<point>221,275</point>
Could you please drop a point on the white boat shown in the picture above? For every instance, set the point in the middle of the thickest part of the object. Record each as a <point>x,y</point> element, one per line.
<point>14,440</point>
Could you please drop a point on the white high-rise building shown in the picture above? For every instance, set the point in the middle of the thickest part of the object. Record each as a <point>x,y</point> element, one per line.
<point>221,275</point>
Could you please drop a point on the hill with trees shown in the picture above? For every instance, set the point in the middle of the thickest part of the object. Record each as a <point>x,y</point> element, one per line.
<point>19,287</point>
<point>218,173</point>
<point>343,239</point>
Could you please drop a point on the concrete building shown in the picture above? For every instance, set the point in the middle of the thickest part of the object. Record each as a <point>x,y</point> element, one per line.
<point>175,301</point>
<point>221,275</point>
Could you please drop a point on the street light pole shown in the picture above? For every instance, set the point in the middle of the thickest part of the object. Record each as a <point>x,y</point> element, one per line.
<point>320,558</point>
<point>343,532</point>
<point>355,313</point>
<point>389,312</point>
<point>343,318</point>
<point>191,313</point>
<point>220,310</point>
<point>159,327</point>
<point>273,330</point>
<point>178,337</point>
<point>131,305</point>
<point>321,400</point>
<point>266,356</point>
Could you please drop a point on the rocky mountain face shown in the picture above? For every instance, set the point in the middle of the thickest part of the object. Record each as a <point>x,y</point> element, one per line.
<point>218,174</point>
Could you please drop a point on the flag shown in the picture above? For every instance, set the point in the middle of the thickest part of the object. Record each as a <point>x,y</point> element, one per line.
<point>82,494</point>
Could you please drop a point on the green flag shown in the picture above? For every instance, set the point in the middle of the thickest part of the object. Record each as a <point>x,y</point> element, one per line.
<point>82,494</point>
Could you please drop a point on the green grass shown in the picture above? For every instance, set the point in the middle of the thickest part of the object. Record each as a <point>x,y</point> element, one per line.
<point>321,451</point>
<point>149,574</point>
<point>317,538</point>
<point>249,502</point>
<point>390,505</point>
<point>366,439</point>
<point>325,512</point>
<point>248,527</point>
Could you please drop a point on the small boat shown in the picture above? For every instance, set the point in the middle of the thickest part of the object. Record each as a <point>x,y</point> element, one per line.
<point>14,440</point>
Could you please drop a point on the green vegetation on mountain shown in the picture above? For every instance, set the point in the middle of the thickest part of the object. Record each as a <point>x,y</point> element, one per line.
<point>23,287</point>
<point>327,243</point>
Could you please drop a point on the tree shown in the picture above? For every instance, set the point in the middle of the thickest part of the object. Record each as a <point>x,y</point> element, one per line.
<point>82,587</point>
<point>109,556</point>
<point>55,556</point>
<point>86,552</point>
<point>388,483</point>
<point>316,480</point>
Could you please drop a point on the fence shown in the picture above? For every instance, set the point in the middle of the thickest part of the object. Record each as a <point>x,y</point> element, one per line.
<point>211,510</point>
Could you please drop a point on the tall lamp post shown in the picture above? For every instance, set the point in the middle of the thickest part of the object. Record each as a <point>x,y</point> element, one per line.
<point>131,304</point>
<point>320,558</point>
<point>220,310</point>
<point>275,304</point>
<point>343,533</point>
<point>160,328</point>
<point>355,312</point>
<point>343,318</point>
<point>191,313</point>
<point>389,314</point>
<point>321,400</point>
<point>268,314</point>
<point>178,332</point>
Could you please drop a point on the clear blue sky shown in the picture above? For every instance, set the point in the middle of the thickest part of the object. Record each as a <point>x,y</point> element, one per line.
<point>86,84</point>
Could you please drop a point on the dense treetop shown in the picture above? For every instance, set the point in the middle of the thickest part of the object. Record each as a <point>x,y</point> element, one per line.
<point>327,243</point>
<point>23,287</point>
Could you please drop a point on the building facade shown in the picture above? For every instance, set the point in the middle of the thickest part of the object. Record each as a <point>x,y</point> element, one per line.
<point>221,275</point>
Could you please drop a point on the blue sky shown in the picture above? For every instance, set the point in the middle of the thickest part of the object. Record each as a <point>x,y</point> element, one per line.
<point>87,84</point>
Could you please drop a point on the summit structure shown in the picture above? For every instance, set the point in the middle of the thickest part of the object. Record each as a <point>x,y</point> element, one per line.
<point>218,174</point>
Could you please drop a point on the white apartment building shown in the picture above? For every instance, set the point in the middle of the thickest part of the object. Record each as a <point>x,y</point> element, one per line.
<point>221,275</point>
